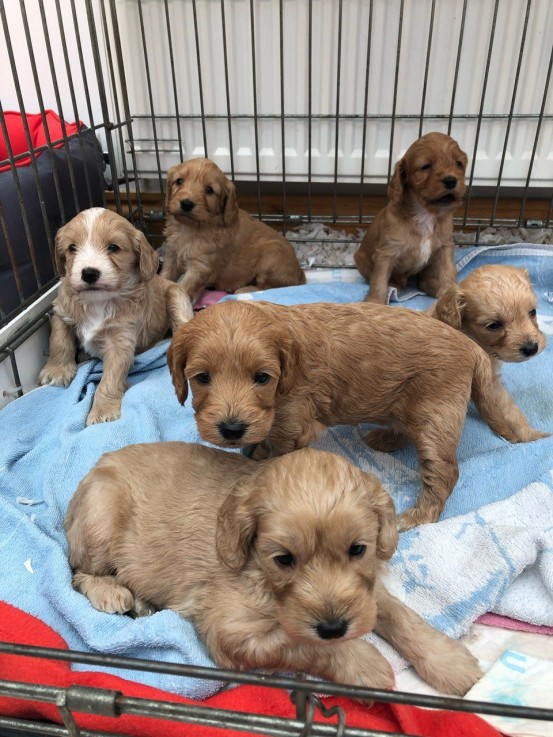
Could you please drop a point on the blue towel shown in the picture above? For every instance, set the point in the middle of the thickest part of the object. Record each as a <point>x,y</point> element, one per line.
<point>492,551</point>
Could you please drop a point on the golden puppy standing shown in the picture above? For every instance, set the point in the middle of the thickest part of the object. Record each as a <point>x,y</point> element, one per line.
<point>496,306</point>
<point>111,301</point>
<point>277,564</point>
<point>274,375</point>
<point>413,234</point>
<point>211,242</point>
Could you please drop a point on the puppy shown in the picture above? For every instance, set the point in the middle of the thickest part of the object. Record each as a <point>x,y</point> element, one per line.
<point>274,375</point>
<point>213,243</point>
<point>496,307</point>
<point>413,234</point>
<point>111,301</point>
<point>277,564</point>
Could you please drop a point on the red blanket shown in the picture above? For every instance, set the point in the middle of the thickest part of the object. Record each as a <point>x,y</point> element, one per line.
<point>18,137</point>
<point>18,627</point>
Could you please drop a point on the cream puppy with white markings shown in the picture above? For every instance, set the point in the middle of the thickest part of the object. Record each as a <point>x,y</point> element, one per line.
<point>111,301</point>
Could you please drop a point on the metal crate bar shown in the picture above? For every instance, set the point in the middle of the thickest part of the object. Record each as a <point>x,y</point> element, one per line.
<point>538,130</point>
<point>279,682</point>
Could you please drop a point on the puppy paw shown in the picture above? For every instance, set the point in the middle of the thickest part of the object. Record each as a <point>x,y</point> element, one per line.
<point>455,674</point>
<point>57,374</point>
<point>376,299</point>
<point>417,516</point>
<point>358,663</point>
<point>103,413</point>
<point>534,435</point>
<point>115,600</point>
<point>260,453</point>
<point>142,608</point>
<point>104,593</point>
<point>380,676</point>
<point>385,439</point>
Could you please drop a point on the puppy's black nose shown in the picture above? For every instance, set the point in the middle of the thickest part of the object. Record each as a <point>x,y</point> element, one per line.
<point>90,275</point>
<point>449,182</point>
<point>332,629</point>
<point>233,429</point>
<point>187,205</point>
<point>529,349</point>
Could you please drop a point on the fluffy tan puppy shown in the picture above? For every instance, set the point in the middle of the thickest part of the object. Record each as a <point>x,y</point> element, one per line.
<point>496,306</point>
<point>413,234</point>
<point>111,301</point>
<point>213,243</point>
<point>274,375</point>
<point>277,564</point>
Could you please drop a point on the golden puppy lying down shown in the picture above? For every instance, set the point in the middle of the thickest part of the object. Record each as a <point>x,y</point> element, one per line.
<point>111,301</point>
<point>276,563</point>
<point>210,242</point>
<point>496,306</point>
<point>263,373</point>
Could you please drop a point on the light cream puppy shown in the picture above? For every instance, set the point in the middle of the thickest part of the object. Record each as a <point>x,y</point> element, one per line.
<point>274,375</point>
<point>278,563</point>
<point>210,242</point>
<point>413,234</point>
<point>111,301</point>
<point>496,306</point>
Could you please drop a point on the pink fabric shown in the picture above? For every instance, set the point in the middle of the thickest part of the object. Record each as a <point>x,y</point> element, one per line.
<point>496,620</point>
<point>208,297</point>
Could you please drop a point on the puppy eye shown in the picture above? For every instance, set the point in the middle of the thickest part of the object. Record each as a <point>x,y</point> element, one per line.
<point>356,550</point>
<point>261,378</point>
<point>179,181</point>
<point>532,313</point>
<point>426,166</point>
<point>497,325</point>
<point>113,248</point>
<point>72,248</point>
<point>286,560</point>
<point>209,190</point>
<point>203,378</point>
<point>459,164</point>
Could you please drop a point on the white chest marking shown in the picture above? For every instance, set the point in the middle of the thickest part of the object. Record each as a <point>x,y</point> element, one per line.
<point>425,250</point>
<point>95,316</point>
<point>426,221</point>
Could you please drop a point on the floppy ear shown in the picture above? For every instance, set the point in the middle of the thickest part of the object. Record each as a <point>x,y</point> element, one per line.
<point>229,204</point>
<point>59,254</point>
<point>398,181</point>
<point>288,356</point>
<point>449,307</point>
<point>236,526</point>
<point>464,158</point>
<point>381,503</point>
<point>148,260</point>
<point>169,183</point>
<point>177,354</point>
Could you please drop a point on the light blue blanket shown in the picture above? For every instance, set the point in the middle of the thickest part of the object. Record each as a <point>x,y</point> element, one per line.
<point>491,551</point>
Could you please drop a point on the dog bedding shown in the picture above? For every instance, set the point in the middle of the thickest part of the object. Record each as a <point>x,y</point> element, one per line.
<point>491,550</point>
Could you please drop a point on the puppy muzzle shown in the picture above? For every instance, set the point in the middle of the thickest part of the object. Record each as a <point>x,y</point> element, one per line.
<point>332,629</point>
<point>529,349</point>
<point>233,429</point>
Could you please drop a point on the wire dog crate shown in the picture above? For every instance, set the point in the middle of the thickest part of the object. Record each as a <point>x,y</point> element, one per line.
<point>104,702</point>
<point>305,105</point>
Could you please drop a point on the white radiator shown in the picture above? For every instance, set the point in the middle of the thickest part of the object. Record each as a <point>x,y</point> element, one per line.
<point>469,95</point>
<point>486,141</point>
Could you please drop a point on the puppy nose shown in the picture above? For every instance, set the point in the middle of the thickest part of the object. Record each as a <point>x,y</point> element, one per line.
<point>332,629</point>
<point>529,349</point>
<point>449,182</point>
<point>90,275</point>
<point>186,205</point>
<point>232,429</point>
